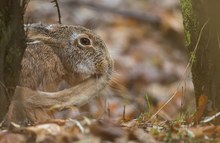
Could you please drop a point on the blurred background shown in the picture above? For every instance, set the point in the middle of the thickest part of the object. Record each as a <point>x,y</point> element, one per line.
<point>146,41</point>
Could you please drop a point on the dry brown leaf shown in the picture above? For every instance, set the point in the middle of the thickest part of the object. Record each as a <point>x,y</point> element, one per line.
<point>209,130</point>
<point>107,130</point>
<point>202,102</point>
<point>12,138</point>
<point>195,132</point>
<point>198,132</point>
<point>44,130</point>
<point>129,124</point>
<point>143,137</point>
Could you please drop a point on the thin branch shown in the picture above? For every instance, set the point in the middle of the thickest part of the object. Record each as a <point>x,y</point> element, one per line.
<point>58,10</point>
<point>218,40</point>
<point>124,113</point>
<point>6,91</point>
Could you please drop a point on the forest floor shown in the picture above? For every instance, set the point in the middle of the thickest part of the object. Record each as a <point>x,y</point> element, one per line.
<point>150,98</point>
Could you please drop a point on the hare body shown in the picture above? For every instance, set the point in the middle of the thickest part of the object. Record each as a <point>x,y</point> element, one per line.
<point>42,69</point>
<point>57,53</point>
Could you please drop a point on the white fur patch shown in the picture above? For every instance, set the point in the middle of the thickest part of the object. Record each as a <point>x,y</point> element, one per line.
<point>49,27</point>
<point>34,42</point>
<point>74,36</point>
<point>87,69</point>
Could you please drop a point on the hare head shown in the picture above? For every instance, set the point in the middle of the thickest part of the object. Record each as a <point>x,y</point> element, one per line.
<point>82,52</point>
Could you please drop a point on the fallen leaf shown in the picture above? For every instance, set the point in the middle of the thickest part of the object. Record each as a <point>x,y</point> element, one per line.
<point>107,130</point>
<point>142,136</point>
<point>12,138</point>
<point>202,102</point>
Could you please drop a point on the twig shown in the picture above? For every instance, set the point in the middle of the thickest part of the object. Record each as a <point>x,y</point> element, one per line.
<point>124,113</point>
<point>141,16</point>
<point>211,118</point>
<point>6,90</point>
<point>78,124</point>
<point>218,40</point>
<point>182,102</point>
<point>58,10</point>
<point>109,111</point>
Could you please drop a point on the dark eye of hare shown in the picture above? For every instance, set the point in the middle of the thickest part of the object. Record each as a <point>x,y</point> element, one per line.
<point>85,41</point>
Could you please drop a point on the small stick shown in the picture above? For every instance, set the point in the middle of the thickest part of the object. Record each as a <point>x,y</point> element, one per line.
<point>58,10</point>
<point>124,113</point>
<point>109,111</point>
<point>6,91</point>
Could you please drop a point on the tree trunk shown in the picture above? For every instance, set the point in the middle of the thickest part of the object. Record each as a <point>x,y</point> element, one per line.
<point>202,30</point>
<point>12,46</point>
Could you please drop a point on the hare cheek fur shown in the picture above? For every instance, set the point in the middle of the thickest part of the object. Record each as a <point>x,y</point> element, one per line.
<point>59,53</point>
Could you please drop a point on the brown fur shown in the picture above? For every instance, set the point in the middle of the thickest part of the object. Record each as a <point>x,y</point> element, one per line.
<point>54,54</point>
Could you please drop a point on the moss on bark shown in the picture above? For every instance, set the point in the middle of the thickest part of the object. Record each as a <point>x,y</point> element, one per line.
<point>189,20</point>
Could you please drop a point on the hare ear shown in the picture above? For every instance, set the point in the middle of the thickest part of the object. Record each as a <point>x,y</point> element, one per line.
<point>42,33</point>
<point>47,40</point>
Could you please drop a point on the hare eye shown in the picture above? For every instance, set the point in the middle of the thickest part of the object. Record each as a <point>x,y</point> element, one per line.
<point>85,41</point>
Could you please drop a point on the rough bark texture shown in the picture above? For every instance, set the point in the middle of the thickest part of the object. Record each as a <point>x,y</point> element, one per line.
<point>206,63</point>
<point>12,46</point>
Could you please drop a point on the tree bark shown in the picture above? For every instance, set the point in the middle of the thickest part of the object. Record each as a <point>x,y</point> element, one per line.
<point>12,46</point>
<point>202,27</point>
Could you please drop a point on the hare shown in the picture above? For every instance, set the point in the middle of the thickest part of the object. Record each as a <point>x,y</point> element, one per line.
<point>57,53</point>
